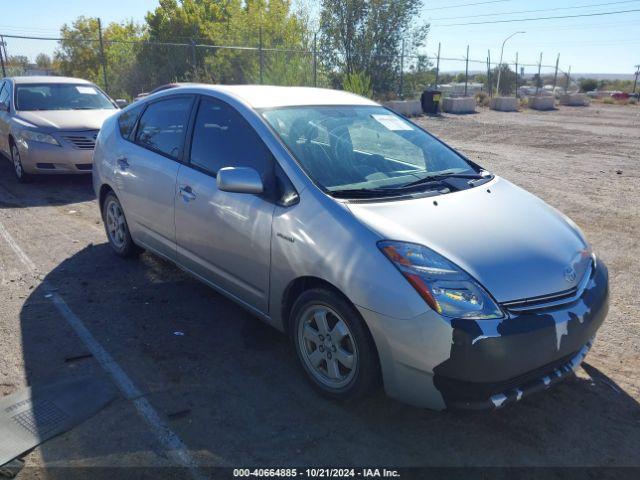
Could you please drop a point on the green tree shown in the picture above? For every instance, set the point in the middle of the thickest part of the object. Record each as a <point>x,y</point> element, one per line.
<point>43,61</point>
<point>507,79</point>
<point>211,24</point>
<point>587,84</point>
<point>367,36</point>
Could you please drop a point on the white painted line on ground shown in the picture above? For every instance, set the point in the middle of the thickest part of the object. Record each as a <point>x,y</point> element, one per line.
<point>176,449</point>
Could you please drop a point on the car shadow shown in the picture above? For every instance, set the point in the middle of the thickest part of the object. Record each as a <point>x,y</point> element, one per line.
<point>229,386</point>
<point>44,190</point>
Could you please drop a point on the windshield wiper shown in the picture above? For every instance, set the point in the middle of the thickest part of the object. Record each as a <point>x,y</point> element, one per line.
<point>443,176</point>
<point>373,192</point>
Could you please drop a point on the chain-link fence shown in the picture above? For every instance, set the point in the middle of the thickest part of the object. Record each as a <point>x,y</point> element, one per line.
<point>126,69</point>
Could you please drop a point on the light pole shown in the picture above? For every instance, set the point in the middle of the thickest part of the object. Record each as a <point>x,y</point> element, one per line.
<point>500,64</point>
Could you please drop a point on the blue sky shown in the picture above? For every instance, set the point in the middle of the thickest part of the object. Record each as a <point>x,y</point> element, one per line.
<point>598,44</point>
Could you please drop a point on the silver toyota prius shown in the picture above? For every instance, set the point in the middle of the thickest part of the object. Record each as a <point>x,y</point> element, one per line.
<point>48,125</point>
<point>385,255</point>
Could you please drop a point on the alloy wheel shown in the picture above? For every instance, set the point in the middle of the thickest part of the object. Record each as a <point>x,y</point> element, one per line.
<point>116,224</point>
<point>17,164</point>
<point>328,347</point>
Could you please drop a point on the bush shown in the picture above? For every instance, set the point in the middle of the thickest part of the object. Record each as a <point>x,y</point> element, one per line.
<point>482,99</point>
<point>358,83</point>
<point>608,101</point>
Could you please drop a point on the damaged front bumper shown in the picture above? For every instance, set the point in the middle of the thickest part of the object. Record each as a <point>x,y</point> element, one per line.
<point>432,362</point>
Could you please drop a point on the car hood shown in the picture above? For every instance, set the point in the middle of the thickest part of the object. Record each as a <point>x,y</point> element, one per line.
<point>53,120</point>
<point>512,242</point>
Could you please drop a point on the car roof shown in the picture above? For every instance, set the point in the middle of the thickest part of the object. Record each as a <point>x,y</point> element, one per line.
<point>47,79</point>
<point>263,96</point>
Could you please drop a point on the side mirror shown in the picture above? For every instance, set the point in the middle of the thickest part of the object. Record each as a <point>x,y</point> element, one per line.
<point>239,180</point>
<point>121,102</point>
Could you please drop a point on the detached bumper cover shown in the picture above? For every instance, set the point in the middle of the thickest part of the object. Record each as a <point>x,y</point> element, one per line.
<point>432,362</point>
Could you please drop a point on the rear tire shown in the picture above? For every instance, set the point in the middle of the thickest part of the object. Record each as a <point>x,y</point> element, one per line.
<point>116,227</point>
<point>334,346</point>
<point>16,164</point>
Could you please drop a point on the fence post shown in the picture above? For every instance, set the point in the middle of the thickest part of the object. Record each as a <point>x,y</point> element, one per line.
<point>261,59</point>
<point>516,74</point>
<point>489,79</point>
<point>401,89</point>
<point>555,75</point>
<point>566,88</point>
<point>315,59</point>
<point>437,67</point>
<point>103,59</point>
<point>466,73</point>
<point>539,81</point>
<point>194,60</point>
<point>4,71</point>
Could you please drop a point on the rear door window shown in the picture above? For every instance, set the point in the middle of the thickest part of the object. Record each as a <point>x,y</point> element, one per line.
<point>127,121</point>
<point>163,124</point>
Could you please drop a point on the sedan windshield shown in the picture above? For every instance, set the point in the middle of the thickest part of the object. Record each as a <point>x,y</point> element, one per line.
<point>360,148</point>
<point>63,96</point>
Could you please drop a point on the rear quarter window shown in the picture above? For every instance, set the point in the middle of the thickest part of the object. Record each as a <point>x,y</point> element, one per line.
<point>127,122</point>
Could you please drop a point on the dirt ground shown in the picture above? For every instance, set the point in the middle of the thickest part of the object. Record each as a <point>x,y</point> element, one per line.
<point>229,387</point>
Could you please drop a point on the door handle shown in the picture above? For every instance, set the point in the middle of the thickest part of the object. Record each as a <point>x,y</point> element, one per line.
<point>123,163</point>
<point>187,193</point>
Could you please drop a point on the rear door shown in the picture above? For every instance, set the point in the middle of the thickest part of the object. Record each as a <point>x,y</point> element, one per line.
<point>146,170</point>
<point>223,237</point>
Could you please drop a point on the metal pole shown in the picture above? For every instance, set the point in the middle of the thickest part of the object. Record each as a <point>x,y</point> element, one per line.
<point>539,81</point>
<point>102,57</point>
<point>400,93</point>
<point>315,59</point>
<point>500,63</point>
<point>261,59</point>
<point>194,60</point>
<point>437,67</point>
<point>4,71</point>
<point>489,79</point>
<point>466,73</point>
<point>516,74</point>
<point>555,75</point>
<point>635,82</point>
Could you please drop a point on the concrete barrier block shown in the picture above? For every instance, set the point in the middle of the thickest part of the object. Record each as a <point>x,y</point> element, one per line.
<point>408,108</point>
<point>459,105</point>
<point>574,100</point>
<point>504,104</point>
<point>546,102</point>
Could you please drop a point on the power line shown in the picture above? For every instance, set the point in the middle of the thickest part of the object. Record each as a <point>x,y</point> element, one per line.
<point>469,4</point>
<point>539,18</point>
<point>537,10</point>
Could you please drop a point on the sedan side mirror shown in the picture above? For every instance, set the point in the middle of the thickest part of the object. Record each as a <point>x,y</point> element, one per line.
<point>121,102</point>
<point>239,180</point>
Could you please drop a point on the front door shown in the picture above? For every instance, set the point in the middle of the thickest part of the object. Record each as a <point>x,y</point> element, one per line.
<point>223,237</point>
<point>147,169</point>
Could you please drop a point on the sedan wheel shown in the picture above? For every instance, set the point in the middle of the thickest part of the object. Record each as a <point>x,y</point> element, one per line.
<point>334,345</point>
<point>115,224</point>
<point>16,162</point>
<point>327,346</point>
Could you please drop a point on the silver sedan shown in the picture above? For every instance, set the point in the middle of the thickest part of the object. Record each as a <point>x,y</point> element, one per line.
<point>49,125</point>
<point>384,254</point>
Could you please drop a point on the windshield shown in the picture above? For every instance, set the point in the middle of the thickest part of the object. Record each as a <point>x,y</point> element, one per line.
<point>64,96</point>
<point>362,148</point>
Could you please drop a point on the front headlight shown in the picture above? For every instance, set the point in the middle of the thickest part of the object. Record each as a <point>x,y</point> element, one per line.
<point>445,287</point>
<point>33,136</point>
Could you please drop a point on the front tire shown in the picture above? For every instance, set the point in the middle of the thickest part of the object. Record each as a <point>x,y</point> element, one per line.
<point>334,346</point>
<point>16,163</point>
<point>116,227</point>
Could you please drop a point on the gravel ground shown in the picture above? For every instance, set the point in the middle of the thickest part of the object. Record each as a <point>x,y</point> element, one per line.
<point>230,388</point>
